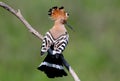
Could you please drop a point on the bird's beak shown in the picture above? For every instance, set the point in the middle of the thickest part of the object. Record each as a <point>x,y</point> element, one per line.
<point>69,26</point>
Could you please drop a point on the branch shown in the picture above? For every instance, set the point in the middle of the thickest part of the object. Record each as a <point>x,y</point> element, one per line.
<point>22,19</point>
<point>69,68</point>
<point>37,34</point>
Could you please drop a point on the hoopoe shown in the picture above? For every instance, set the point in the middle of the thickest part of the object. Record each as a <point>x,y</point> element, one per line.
<point>54,42</point>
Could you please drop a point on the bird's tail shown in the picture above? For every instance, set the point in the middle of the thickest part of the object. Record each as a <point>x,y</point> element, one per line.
<point>52,66</point>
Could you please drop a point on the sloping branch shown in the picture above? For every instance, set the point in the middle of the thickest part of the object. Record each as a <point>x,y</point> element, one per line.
<point>22,19</point>
<point>37,34</point>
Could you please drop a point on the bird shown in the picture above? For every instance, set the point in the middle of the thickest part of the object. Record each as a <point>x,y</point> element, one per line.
<point>54,43</point>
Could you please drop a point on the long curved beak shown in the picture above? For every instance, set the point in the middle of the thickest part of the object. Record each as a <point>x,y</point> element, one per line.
<point>69,26</point>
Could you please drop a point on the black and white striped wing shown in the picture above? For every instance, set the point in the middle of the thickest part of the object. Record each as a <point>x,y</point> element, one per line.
<point>47,42</point>
<point>60,44</point>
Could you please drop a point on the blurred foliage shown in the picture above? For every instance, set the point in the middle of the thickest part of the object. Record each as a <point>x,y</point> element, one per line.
<point>93,50</point>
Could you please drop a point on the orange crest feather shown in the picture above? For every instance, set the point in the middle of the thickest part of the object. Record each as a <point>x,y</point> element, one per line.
<point>58,13</point>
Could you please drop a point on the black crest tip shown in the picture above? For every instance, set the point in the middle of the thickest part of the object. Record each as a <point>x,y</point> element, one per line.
<point>49,14</point>
<point>50,10</point>
<point>55,7</point>
<point>61,7</point>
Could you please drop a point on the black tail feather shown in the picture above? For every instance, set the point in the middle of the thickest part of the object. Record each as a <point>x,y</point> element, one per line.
<point>52,66</point>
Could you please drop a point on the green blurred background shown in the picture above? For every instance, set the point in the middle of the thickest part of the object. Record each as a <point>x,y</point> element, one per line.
<point>93,50</point>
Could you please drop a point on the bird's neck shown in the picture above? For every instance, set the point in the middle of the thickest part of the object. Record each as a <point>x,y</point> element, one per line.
<point>58,29</point>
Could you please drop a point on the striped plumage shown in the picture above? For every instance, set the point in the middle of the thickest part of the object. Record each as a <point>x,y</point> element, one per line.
<point>58,44</point>
<point>54,43</point>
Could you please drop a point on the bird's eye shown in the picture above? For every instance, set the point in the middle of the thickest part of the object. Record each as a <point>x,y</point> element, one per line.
<point>67,14</point>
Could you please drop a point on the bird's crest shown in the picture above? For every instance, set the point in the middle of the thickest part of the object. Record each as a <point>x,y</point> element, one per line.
<point>58,13</point>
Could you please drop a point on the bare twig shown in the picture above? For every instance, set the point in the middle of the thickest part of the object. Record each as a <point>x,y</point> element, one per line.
<point>37,34</point>
<point>22,19</point>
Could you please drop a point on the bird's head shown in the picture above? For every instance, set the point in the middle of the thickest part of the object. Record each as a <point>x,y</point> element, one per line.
<point>58,13</point>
